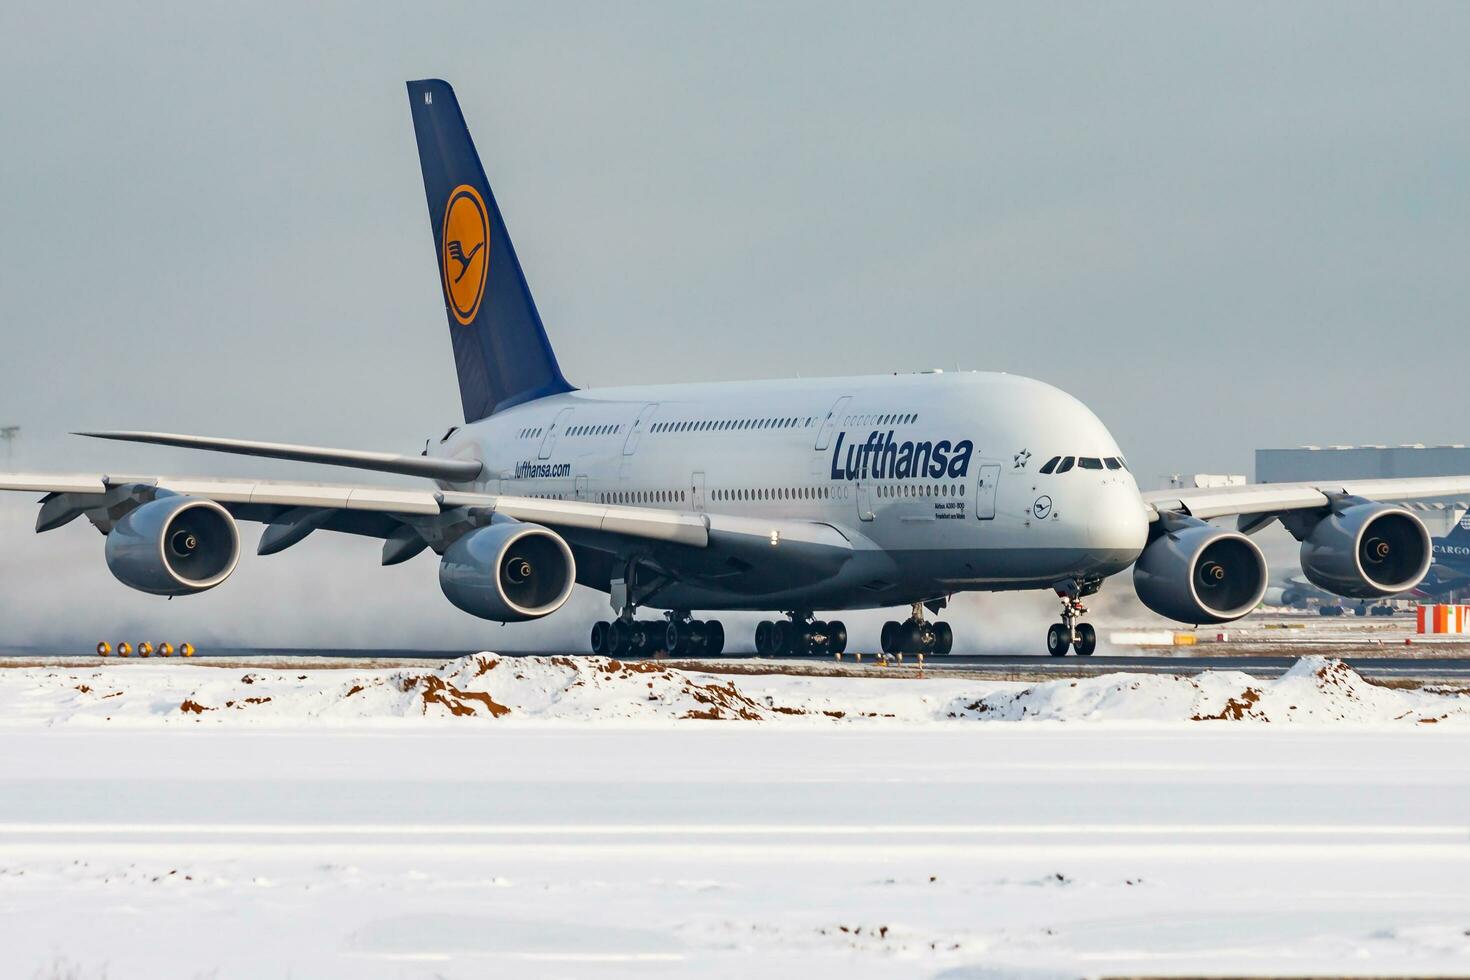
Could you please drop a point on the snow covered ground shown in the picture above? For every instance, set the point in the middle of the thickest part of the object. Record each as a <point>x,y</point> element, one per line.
<point>579,818</point>
<point>514,691</point>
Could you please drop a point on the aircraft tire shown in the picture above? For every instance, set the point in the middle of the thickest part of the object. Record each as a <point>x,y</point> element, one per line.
<point>1057,640</point>
<point>763,638</point>
<point>599,638</point>
<point>943,640</point>
<point>836,636</point>
<point>617,637</point>
<point>783,637</point>
<point>679,638</point>
<point>1086,639</point>
<point>714,638</point>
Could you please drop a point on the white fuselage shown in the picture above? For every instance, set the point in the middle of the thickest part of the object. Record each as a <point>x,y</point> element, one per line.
<point>933,478</point>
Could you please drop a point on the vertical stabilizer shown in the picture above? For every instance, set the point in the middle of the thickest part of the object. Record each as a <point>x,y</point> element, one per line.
<point>500,347</point>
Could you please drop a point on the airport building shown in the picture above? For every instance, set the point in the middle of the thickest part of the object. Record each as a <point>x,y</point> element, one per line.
<point>1371,463</point>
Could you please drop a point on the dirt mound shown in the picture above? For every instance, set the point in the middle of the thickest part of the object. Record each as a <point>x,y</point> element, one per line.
<point>1315,689</point>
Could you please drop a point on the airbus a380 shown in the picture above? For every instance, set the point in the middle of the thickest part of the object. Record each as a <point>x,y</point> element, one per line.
<point>795,497</point>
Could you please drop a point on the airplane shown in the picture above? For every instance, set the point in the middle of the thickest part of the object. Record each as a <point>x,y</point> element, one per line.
<point>1294,591</point>
<point>785,496</point>
<point>1450,571</point>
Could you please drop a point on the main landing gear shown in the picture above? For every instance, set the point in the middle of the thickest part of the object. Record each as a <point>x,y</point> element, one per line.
<point>1070,633</point>
<point>799,635</point>
<point>916,635</point>
<point>678,635</point>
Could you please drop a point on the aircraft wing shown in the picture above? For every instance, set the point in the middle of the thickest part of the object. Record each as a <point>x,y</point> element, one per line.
<point>346,507</point>
<point>1276,498</point>
<point>449,470</point>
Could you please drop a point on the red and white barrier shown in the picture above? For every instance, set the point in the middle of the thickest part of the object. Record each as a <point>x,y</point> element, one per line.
<point>1444,619</point>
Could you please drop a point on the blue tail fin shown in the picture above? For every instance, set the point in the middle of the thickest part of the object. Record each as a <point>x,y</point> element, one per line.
<point>500,347</point>
<point>1460,533</point>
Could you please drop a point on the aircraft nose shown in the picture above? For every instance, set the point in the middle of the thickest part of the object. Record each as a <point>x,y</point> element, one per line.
<point>1118,523</point>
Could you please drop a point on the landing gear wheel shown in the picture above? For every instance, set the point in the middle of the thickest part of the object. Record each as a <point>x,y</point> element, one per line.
<point>783,638</point>
<point>1057,640</point>
<point>599,639</point>
<point>618,637</point>
<point>943,640</point>
<point>714,638</point>
<point>763,645</point>
<point>1086,639</point>
<point>680,637</point>
<point>836,636</point>
<point>888,640</point>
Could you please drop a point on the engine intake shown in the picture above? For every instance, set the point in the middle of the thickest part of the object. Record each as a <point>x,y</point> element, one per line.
<point>175,545</point>
<point>508,572</point>
<point>1201,574</point>
<point>1367,551</point>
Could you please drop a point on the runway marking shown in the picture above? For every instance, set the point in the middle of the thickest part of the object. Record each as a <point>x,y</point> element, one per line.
<point>755,830</point>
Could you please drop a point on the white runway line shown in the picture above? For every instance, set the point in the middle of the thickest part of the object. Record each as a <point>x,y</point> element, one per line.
<point>741,830</point>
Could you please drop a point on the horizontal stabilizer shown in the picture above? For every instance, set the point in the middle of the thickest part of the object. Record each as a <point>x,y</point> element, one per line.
<point>450,470</point>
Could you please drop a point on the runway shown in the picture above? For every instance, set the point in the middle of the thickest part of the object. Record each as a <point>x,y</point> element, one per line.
<point>1413,667</point>
<point>733,851</point>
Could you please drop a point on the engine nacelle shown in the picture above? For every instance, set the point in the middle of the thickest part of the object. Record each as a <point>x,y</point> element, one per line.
<point>1201,574</point>
<point>1367,551</point>
<point>174,545</point>
<point>508,572</point>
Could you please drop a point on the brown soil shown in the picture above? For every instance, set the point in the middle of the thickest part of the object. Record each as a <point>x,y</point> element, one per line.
<point>190,705</point>
<point>722,703</point>
<point>440,692</point>
<point>1237,709</point>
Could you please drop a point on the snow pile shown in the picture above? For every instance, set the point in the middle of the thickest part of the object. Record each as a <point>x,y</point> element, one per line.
<point>482,686</point>
<point>510,690</point>
<point>1315,689</point>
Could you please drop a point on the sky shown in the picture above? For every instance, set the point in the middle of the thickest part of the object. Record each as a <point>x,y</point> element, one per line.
<point>1223,227</point>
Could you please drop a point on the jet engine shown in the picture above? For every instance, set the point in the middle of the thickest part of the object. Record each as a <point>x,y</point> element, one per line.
<point>1196,573</point>
<point>508,572</point>
<point>1366,550</point>
<point>175,545</point>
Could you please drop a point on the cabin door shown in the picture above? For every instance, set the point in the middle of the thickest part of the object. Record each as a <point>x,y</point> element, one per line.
<point>985,491</point>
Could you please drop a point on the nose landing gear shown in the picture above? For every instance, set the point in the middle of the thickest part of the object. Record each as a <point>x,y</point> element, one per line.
<point>1069,633</point>
<point>916,635</point>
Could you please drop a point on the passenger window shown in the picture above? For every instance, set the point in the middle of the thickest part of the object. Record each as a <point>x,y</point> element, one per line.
<point>1066,464</point>
<point>1112,463</point>
<point>1051,464</point>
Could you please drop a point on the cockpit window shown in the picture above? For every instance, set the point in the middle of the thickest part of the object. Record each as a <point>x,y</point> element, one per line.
<point>1066,464</point>
<point>1090,463</point>
<point>1113,463</point>
<point>1051,464</point>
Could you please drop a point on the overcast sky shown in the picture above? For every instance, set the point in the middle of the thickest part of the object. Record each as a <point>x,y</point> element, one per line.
<point>1222,228</point>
